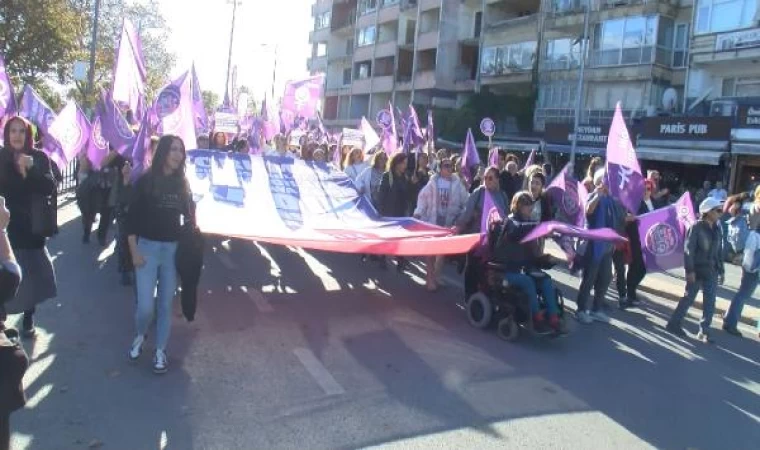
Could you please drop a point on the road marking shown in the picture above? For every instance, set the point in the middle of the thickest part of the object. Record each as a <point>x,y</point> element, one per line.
<point>262,304</point>
<point>320,270</point>
<point>318,371</point>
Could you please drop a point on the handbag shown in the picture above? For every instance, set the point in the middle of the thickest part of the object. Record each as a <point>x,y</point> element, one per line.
<point>44,215</point>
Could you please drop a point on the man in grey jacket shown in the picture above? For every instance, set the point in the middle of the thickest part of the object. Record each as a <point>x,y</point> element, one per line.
<point>704,268</point>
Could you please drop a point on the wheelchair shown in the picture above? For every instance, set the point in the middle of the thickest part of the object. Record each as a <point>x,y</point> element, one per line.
<point>497,302</point>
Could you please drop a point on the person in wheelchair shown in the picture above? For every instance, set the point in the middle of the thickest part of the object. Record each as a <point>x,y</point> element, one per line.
<point>524,263</point>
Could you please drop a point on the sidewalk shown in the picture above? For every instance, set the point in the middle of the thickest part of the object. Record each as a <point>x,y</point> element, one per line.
<point>670,285</point>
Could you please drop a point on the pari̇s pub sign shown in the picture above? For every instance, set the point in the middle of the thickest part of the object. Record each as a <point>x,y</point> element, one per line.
<point>688,128</point>
<point>749,116</point>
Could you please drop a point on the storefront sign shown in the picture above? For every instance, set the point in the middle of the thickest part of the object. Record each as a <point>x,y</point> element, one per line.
<point>687,128</point>
<point>588,135</point>
<point>749,116</point>
<point>738,40</point>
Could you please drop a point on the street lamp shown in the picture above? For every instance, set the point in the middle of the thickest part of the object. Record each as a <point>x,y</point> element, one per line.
<point>581,75</point>
<point>274,65</point>
<point>235,4</point>
<point>93,49</point>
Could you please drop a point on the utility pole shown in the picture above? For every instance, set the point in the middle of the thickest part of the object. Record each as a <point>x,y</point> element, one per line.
<point>229,56</point>
<point>274,70</point>
<point>581,75</point>
<point>93,48</point>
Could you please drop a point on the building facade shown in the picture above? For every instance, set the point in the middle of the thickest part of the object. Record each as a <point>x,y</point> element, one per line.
<point>659,58</point>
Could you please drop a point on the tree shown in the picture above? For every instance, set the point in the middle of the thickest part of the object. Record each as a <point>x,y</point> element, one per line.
<point>210,101</point>
<point>39,39</point>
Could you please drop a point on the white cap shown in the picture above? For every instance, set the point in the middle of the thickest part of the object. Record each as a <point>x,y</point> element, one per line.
<point>709,204</point>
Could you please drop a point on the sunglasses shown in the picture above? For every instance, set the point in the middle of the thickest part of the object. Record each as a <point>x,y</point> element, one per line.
<point>490,178</point>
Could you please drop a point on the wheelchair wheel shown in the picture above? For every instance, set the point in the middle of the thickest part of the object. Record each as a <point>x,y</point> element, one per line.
<point>508,329</point>
<point>479,310</point>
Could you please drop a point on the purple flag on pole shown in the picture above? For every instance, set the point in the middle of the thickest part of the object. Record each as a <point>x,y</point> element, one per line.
<point>174,107</point>
<point>470,157</point>
<point>569,196</point>
<point>490,214</point>
<point>34,109</point>
<point>201,117</point>
<point>140,149</point>
<point>544,229</point>
<point>97,146</point>
<point>371,139</point>
<point>7,97</point>
<point>113,126</point>
<point>301,96</point>
<point>663,234</point>
<point>389,145</point>
<point>406,143</point>
<point>430,130</point>
<point>271,121</point>
<point>129,74</point>
<point>413,124</point>
<point>71,130</point>
<point>493,157</point>
<point>530,159</point>
<point>626,181</point>
<point>393,130</point>
<point>254,136</point>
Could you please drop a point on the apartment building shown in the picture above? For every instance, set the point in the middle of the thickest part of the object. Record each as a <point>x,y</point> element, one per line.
<point>402,51</point>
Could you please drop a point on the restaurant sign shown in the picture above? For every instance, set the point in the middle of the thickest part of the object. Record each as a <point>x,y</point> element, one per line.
<point>749,116</point>
<point>687,128</point>
<point>588,135</point>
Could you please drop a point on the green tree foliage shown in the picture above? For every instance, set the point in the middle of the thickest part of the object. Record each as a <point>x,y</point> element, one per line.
<point>210,101</point>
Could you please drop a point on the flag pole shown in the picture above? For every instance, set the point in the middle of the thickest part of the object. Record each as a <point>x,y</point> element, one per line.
<point>93,48</point>
<point>579,103</point>
<point>229,54</point>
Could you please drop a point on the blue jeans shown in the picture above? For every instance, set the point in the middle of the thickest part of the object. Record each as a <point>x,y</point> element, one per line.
<point>746,289</point>
<point>159,269</point>
<point>531,288</point>
<point>708,286</point>
<point>597,275</point>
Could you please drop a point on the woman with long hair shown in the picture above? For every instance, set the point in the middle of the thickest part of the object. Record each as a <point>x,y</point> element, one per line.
<point>27,183</point>
<point>354,164</point>
<point>368,182</point>
<point>394,193</point>
<point>161,205</point>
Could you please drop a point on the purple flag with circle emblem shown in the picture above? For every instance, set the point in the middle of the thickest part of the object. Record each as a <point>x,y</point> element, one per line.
<point>97,146</point>
<point>113,125</point>
<point>568,195</point>
<point>7,97</point>
<point>626,182</point>
<point>174,108</point>
<point>301,97</point>
<point>663,234</point>
<point>70,129</point>
<point>470,157</point>
<point>129,74</point>
<point>34,109</point>
<point>490,214</point>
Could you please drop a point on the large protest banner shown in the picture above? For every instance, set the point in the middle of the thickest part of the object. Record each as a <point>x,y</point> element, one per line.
<point>286,201</point>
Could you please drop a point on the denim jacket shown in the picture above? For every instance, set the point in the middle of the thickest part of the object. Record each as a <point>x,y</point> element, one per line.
<point>703,250</point>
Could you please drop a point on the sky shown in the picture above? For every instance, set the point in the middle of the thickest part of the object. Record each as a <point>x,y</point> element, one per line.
<point>200,32</point>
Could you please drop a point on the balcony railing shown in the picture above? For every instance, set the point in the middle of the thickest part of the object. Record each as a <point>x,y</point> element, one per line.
<point>564,7</point>
<point>349,21</point>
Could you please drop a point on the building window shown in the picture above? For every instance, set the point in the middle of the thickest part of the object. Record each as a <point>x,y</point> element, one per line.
<point>717,16</point>
<point>346,77</point>
<point>321,49</point>
<point>363,70</point>
<point>567,6</point>
<point>504,59</point>
<point>562,54</point>
<point>366,36</point>
<point>367,6</point>
<point>681,45</point>
<point>740,87</point>
<point>385,3</point>
<point>624,41</point>
<point>557,94</point>
<point>478,24</point>
<point>322,20</point>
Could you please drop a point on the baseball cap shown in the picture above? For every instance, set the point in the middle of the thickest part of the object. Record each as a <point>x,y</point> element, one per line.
<point>709,204</point>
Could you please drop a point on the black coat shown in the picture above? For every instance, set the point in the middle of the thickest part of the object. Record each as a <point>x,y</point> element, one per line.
<point>394,195</point>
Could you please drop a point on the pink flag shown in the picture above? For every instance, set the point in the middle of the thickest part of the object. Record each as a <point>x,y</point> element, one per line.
<point>129,75</point>
<point>371,139</point>
<point>470,157</point>
<point>626,182</point>
<point>301,97</point>
<point>71,130</point>
<point>174,107</point>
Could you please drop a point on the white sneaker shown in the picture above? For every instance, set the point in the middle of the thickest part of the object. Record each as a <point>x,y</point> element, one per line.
<point>160,364</point>
<point>600,316</point>
<point>136,349</point>
<point>583,317</point>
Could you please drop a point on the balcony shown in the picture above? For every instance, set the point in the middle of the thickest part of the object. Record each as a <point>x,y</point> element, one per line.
<point>425,79</point>
<point>385,49</point>
<point>363,86</point>
<point>382,83</point>
<point>344,25</point>
<point>426,5</point>
<point>364,52</point>
<point>726,48</point>
<point>321,35</point>
<point>339,59</point>
<point>403,82</point>
<point>568,14</point>
<point>389,14</point>
<point>512,24</point>
<point>427,41</point>
<point>317,64</point>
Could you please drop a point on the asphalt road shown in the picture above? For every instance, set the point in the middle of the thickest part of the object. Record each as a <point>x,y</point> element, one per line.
<point>296,349</point>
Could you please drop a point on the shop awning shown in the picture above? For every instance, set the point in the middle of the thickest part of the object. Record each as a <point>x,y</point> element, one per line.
<point>560,148</point>
<point>521,146</point>
<point>704,157</point>
<point>745,149</point>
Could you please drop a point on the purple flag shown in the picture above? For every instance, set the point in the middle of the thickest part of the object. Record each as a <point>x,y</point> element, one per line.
<point>34,109</point>
<point>413,123</point>
<point>371,139</point>
<point>301,96</point>
<point>569,196</point>
<point>7,97</point>
<point>551,227</point>
<point>407,140</point>
<point>271,122</point>
<point>139,150</point>
<point>129,74</point>
<point>201,117</point>
<point>531,158</point>
<point>430,130</point>
<point>389,144</point>
<point>626,181</point>
<point>663,234</point>
<point>174,107</point>
<point>71,130</point>
<point>490,214</point>
<point>254,136</point>
<point>97,146</point>
<point>113,126</point>
<point>470,157</point>
<point>493,157</point>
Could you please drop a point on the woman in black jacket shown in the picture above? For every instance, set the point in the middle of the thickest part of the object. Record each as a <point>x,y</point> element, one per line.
<point>394,193</point>
<point>29,188</point>
<point>161,205</point>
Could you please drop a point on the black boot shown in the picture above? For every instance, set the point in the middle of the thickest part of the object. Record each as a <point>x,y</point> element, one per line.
<point>27,329</point>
